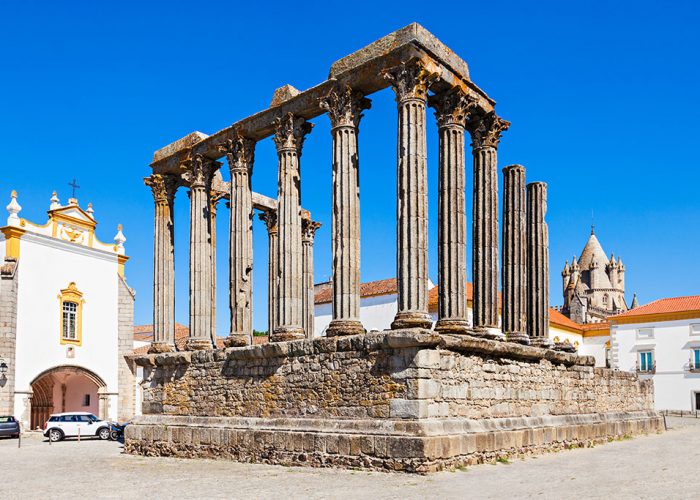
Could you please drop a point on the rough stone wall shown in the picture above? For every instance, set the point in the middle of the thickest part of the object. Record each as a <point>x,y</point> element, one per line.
<point>8,332</point>
<point>387,376</point>
<point>126,370</point>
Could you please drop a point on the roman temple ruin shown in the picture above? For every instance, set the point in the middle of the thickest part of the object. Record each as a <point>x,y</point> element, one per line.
<point>413,398</point>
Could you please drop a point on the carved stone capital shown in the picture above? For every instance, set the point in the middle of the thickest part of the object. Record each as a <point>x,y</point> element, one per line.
<point>345,106</point>
<point>308,230</point>
<point>163,187</point>
<point>486,129</point>
<point>290,132</point>
<point>199,171</point>
<point>240,153</point>
<point>270,220</point>
<point>410,80</point>
<point>452,107</point>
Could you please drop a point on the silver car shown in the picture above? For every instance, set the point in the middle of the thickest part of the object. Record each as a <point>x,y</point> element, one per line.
<point>9,427</point>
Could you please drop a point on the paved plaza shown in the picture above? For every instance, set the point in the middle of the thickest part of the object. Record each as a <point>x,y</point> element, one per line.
<point>656,466</point>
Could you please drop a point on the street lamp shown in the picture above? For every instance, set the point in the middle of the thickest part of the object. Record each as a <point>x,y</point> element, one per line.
<point>3,367</point>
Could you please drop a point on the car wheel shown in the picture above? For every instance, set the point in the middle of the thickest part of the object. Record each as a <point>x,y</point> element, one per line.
<point>103,433</point>
<point>114,436</point>
<point>55,435</point>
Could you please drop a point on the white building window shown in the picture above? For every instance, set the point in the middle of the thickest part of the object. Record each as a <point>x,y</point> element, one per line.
<point>645,333</point>
<point>695,329</point>
<point>70,320</point>
<point>646,363</point>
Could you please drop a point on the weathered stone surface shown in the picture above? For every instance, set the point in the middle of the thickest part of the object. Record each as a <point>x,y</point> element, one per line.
<point>282,94</point>
<point>538,265</point>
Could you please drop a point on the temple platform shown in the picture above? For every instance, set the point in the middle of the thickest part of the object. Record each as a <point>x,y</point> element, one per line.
<point>405,400</point>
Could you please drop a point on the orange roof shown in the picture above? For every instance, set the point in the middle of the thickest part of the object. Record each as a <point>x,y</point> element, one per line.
<point>558,319</point>
<point>144,333</point>
<point>689,305</point>
<point>324,293</point>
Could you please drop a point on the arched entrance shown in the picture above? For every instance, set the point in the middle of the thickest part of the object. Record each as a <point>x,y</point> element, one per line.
<point>66,388</point>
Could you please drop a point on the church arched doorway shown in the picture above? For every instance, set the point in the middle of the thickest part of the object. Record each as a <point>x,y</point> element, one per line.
<point>65,389</point>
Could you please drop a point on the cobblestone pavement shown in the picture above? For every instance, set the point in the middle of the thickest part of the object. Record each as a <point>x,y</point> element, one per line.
<point>656,466</point>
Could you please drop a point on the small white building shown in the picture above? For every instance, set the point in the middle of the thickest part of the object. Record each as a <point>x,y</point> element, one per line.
<point>66,317</point>
<point>661,341</point>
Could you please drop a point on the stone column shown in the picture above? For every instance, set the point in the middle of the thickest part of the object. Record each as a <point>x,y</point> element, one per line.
<point>450,111</point>
<point>344,108</point>
<point>163,188</point>
<point>410,82</point>
<point>214,198</point>
<point>485,129</point>
<point>199,173</point>
<point>538,265</point>
<point>308,228</point>
<point>270,220</point>
<point>290,132</point>
<point>240,154</point>
<point>514,270</point>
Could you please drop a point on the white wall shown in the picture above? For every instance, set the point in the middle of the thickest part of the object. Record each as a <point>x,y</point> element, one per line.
<point>672,346</point>
<point>595,346</point>
<point>376,313</point>
<point>46,266</point>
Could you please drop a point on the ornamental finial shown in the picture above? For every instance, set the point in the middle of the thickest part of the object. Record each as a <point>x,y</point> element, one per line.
<point>90,210</point>
<point>13,209</point>
<point>119,239</point>
<point>55,203</point>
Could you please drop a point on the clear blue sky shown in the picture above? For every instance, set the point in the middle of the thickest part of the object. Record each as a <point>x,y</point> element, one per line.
<point>603,97</point>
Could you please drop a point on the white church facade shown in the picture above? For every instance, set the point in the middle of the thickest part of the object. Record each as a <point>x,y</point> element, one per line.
<point>66,317</point>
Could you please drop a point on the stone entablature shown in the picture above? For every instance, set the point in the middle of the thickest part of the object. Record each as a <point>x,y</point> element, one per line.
<point>411,389</point>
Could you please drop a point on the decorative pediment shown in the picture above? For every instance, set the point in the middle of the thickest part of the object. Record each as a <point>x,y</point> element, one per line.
<point>73,215</point>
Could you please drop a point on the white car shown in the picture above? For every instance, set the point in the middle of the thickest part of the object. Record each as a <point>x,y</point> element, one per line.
<point>73,424</point>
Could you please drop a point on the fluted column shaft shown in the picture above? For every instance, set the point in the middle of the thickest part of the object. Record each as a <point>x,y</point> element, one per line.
<point>485,130</point>
<point>514,270</point>
<point>410,82</point>
<point>199,176</point>
<point>450,111</point>
<point>240,154</point>
<point>164,188</point>
<point>270,219</point>
<point>289,137</point>
<point>345,111</point>
<point>213,203</point>
<point>538,265</point>
<point>309,228</point>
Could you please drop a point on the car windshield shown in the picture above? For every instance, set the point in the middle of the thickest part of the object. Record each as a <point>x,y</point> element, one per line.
<point>5,420</point>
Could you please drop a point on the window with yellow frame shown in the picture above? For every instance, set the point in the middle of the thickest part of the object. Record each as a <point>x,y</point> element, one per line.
<point>71,314</point>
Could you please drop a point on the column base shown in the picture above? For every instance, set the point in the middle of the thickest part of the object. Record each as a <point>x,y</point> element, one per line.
<point>456,326</point>
<point>564,347</point>
<point>160,347</point>
<point>342,327</point>
<point>286,333</point>
<point>518,338</point>
<point>411,319</point>
<point>198,345</point>
<point>542,342</point>
<point>487,332</point>
<point>237,340</point>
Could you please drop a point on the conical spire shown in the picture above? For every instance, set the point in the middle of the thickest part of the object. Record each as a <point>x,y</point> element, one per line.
<point>567,269</point>
<point>635,302</point>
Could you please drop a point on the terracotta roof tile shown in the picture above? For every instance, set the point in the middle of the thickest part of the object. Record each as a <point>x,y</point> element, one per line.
<point>558,319</point>
<point>144,333</point>
<point>662,306</point>
<point>324,291</point>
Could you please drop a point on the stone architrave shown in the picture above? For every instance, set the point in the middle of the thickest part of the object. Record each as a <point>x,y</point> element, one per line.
<point>345,108</point>
<point>485,130</point>
<point>270,220</point>
<point>410,82</point>
<point>240,154</point>
<point>163,187</point>
<point>290,132</point>
<point>199,174</point>
<point>451,108</point>
<point>538,265</point>
<point>514,269</point>
<point>308,228</point>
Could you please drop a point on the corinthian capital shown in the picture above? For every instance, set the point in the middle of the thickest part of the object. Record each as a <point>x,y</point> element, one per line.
<point>270,219</point>
<point>163,187</point>
<point>198,172</point>
<point>345,106</point>
<point>452,107</point>
<point>240,153</point>
<point>486,129</point>
<point>290,132</point>
<point>308,230</point>
<point>410,80</point>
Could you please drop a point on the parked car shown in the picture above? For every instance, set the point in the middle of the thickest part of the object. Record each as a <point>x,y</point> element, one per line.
<point>79,423</point>
<point>9,427</point>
